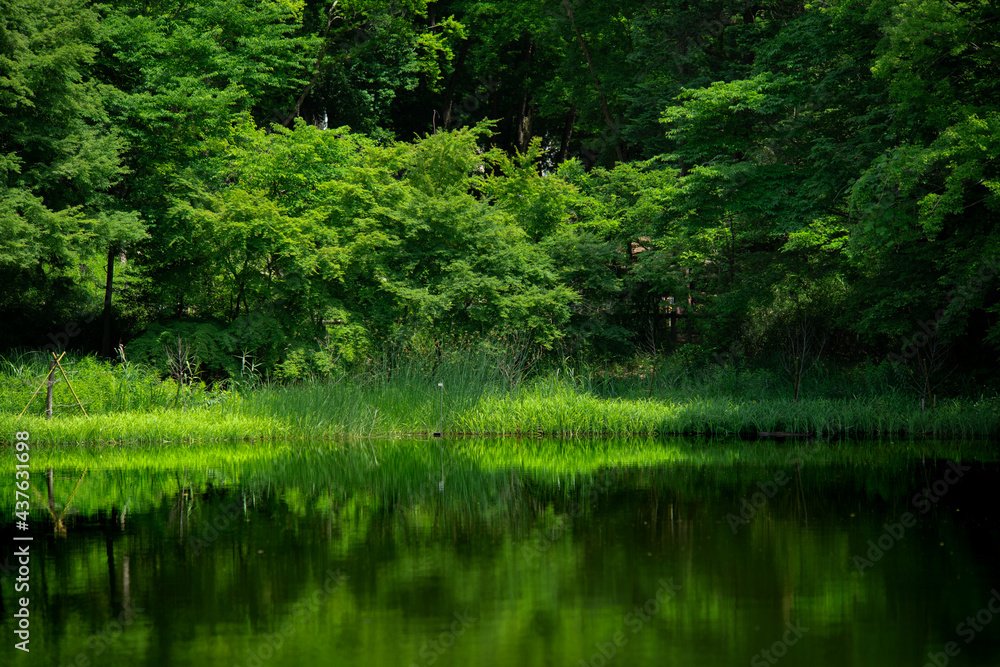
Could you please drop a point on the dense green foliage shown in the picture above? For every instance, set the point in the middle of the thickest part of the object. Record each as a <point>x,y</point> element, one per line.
<point>294,188</point>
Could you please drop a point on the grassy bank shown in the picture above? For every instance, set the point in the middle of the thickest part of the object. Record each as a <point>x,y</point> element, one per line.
<point>318,412</point>
<point>480,395</point>
<point>555,408</point>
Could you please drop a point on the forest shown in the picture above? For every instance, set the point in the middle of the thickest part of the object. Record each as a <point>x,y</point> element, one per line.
<point>482,332</point>
<point>299,187</point>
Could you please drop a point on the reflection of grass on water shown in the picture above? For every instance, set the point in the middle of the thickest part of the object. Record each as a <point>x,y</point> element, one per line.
<point>539,455</point>
<point>477,471</point>
<point>126,405</point>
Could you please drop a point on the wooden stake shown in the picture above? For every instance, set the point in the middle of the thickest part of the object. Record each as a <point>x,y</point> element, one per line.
<point>49,384</point>
<point>70,385</point>
<point>39,387</point>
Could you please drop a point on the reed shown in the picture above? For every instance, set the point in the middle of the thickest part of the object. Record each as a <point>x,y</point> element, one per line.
<point>551,407</point>
<point>484,391</point>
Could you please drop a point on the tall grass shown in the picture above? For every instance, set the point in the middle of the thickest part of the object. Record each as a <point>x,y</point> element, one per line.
<point>387,399</point>
<point>552,407</point>
<point>483,390</point>
<point>102,387</point>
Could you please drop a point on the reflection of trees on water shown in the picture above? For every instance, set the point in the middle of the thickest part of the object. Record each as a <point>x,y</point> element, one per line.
<point>609,532</point>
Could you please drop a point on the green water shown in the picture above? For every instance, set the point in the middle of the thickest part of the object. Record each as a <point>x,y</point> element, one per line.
<point>534,553</point>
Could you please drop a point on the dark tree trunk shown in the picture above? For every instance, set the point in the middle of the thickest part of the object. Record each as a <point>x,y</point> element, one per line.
<point>318,68</point>
<point>522,132</point>
<point>567,134</point>
<point>449,93</point>
<point>593,74</point>
<point>108,287</point>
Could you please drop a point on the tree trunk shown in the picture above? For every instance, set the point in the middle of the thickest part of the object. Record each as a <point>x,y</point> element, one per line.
<point>514,117</point>
<point>318,67</point>
<point>593,75</point>
<point>522,132</point>
<point>567,134</point>
<point>449,93</point>
<point>108,287</point>
<point>798,378</point>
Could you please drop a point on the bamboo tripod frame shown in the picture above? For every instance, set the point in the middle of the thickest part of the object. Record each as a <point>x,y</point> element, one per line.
<point>48,376</point>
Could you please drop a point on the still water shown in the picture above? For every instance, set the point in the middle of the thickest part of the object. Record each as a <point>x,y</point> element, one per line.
<point>471,552</point>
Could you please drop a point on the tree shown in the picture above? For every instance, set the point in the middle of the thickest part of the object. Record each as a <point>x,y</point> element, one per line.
<point>60,160</point>
<point>182,75</point>
<point>926,205</point>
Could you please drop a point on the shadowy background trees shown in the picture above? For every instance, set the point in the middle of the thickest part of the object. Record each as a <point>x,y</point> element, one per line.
<point>307,183</point>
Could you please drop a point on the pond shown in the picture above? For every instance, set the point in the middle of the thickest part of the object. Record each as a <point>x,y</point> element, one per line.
<point>511,552</point>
